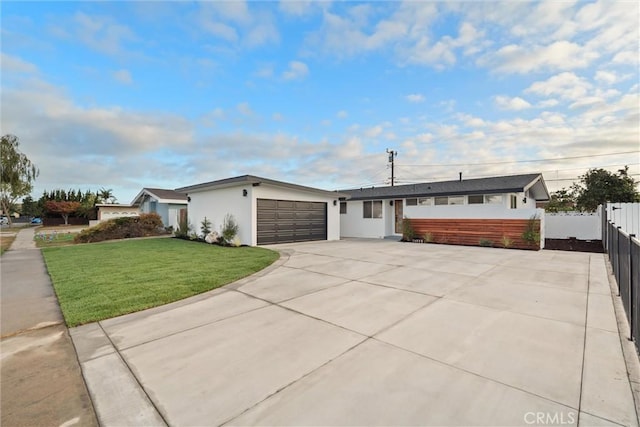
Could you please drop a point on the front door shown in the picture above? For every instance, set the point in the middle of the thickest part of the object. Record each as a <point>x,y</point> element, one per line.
<point>399,215</point>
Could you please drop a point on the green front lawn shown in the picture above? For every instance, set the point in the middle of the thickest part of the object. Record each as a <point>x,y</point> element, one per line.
<point>102,280</point>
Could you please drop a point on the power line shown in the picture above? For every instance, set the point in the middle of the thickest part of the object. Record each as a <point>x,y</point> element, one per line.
<point>523,161</point>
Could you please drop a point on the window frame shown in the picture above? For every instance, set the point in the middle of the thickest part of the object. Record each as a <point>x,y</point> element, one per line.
<point>372,209</point>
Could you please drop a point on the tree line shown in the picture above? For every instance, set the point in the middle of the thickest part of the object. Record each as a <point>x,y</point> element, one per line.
<point>17,176</point>
<point>596,187</point>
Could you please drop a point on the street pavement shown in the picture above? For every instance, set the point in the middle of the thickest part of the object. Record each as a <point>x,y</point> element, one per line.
<point>40,377</point>
<point>375,332</point>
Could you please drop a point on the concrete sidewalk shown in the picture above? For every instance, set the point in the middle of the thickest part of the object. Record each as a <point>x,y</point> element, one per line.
<point>368,332</point>
<point>41,380</point>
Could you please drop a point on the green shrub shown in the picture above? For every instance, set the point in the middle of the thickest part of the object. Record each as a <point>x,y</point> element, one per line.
<point>506,242</point>
<point>486,243</point>
<point>408,233</point>
<point>123,228</point>
<point>531,233</point>
<point>205,227</point>
<point>229,229</point>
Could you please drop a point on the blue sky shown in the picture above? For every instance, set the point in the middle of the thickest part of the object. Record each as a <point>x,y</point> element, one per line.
<point>126,95</point>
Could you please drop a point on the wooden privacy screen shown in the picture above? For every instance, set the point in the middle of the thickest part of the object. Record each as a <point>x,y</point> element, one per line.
<point>474,232</point>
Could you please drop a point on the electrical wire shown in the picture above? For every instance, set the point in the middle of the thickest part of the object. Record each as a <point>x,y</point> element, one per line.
<point>522,161</point>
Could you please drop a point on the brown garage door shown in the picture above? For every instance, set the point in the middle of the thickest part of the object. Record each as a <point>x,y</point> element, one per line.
<point>282,221</point>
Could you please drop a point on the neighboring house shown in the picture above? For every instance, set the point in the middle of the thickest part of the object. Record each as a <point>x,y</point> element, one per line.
<point>166,203</point>
<point>108,211</point>
<point>379,211</point>
<point>267,211</point>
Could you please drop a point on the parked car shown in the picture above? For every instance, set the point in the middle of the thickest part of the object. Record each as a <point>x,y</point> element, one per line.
<point>4,220</point>
<point>36,221</point>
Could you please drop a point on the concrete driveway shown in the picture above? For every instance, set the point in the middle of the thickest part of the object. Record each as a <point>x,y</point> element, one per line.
<point>373,332</point>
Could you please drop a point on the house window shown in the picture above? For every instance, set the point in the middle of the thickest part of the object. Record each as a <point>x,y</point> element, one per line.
<point>372,209</point>
<point>412,202</point>
<point>456,200</point>
<point>514,201</point>
<point>343,207</point>
<point>425,201</point>
<point>493,199</point>
<point>441,200</point>
<point>476,200</point>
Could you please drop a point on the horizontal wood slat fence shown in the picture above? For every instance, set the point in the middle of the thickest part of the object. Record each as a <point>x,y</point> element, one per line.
<point>474,232</point>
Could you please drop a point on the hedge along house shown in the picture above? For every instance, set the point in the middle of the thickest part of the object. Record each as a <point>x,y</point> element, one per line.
<point>470,212</point>
<point>166,203</point>
<point>266,211</point>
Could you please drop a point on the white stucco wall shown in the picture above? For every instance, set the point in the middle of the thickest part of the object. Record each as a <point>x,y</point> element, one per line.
<point>352,224</point>
<point>215,204</point>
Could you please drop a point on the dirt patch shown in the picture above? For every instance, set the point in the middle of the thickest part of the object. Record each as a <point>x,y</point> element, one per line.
<point>574,245</point>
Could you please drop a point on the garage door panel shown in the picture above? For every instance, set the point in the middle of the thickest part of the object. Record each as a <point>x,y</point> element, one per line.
<point>281,221</point>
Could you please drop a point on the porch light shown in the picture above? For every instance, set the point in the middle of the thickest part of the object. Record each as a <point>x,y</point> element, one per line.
<point>390,202</point>
<point>524,200</point>
<point>244,192</point>
<point>335,202</point>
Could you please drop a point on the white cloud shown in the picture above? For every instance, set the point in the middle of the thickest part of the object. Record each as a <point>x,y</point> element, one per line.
<point>123,76</point>
<point>566,85</point>
<point>606,77</point>
<point>297,70</point>
<point>415,97</point>
<point>101,33</point>
<point>374,132</point>
<point>235,23</point>
<point>296,7</point>
<point>219,29</point>
<point>507,103</point>
<point>265,71</point>
<point>627,57</point>
<point>244,109</point>
<point>13,64</point>
<point>547,103</point>
<point>278,117</point>
<point>342,114</point>
<point>515,58</point>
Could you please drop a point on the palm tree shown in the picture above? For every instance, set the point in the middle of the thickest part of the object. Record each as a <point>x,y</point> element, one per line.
<point>106,195</point>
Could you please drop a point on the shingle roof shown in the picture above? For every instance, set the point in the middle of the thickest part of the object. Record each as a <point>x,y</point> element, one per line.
<point>492,185</point>
<point>254,180</point>
<point>162,193</point>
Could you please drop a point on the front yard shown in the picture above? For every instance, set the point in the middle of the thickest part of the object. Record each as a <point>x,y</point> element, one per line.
<point>103,280</point>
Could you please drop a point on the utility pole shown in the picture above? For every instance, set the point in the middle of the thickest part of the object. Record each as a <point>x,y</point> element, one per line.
<point>392,157</point>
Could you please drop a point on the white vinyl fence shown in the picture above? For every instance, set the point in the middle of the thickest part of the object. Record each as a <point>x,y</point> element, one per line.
<point>624,215</point>
<point>580,225</point>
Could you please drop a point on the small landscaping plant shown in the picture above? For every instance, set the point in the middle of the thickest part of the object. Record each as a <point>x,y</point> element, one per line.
<point>531,233</point>
<point>147,224</point>
<point>428,237</point>
<point>229,229</point>
<point>506,242</point>
<point>205,227</point>
<point>486,243</point>
<point>408,233</point>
